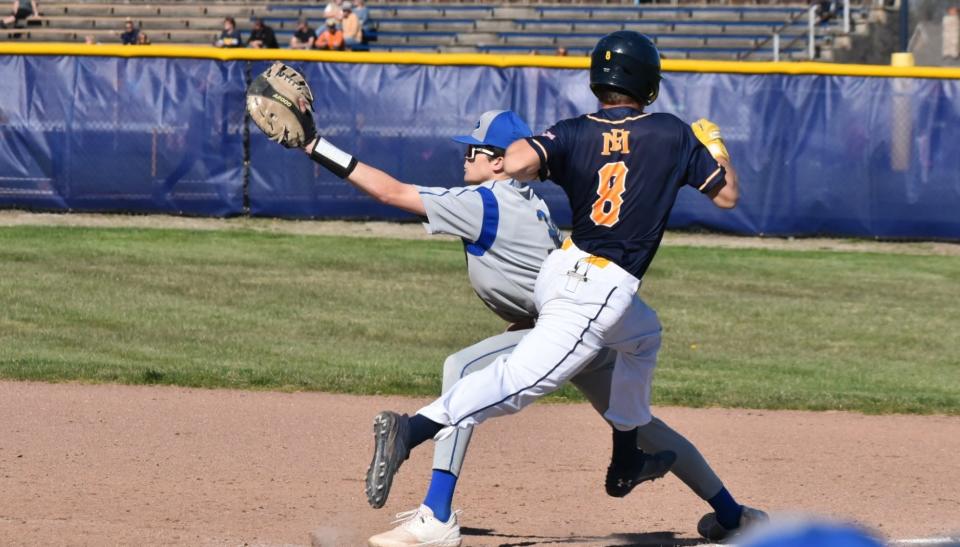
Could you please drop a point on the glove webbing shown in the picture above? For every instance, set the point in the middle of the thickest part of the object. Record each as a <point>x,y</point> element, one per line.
<point>264,89</point>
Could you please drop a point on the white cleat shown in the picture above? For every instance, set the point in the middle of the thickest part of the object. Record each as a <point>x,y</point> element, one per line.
<point>420,527</point>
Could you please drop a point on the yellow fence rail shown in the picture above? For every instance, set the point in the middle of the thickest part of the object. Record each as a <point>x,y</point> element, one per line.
<point>466,59</point>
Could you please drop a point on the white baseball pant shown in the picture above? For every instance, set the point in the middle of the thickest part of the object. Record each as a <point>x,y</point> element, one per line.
<point>585,304</point>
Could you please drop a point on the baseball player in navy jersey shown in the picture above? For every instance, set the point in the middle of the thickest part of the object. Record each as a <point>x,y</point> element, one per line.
<point>507,232</point>
<point>621,170</point>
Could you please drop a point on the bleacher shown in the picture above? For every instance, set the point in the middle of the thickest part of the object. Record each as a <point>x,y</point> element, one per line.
<point>698,31</point>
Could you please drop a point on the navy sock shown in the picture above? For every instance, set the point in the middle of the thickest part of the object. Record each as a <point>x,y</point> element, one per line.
<point>624,445</point>
<point>728,510</point>
<point>421,429</point>
<point>440,494</point>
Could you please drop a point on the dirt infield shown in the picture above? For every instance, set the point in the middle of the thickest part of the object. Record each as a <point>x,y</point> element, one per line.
<point>107,464</point>
<point>122,465</point>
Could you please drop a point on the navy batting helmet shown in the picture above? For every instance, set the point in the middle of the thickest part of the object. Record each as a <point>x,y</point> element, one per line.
<point>628,62</point>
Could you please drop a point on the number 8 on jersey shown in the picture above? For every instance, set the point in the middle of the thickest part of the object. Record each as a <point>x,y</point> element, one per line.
<point>612,183</point>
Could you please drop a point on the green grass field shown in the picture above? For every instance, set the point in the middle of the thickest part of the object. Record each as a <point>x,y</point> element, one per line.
<point>244,309</point>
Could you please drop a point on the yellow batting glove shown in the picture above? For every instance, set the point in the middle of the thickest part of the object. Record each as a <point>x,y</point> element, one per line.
<point>709,134</point>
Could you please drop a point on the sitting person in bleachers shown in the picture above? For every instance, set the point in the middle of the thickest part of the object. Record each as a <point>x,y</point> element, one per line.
<point>130,33</point>
<point>352,31</point>
<point>331,37</point>
<point>230,36</point>
<point>826,9</point>
<point>367,25</point>
<point>361,11</point>
<point>950,43</point>
<point>143,39</point>
<point>304,36</point>
<point>262,36</point>
<point>333,10</point>
<point>22,9</point>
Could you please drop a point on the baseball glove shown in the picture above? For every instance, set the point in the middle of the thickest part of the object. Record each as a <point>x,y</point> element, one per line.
<point>281,104</point>
<point>708,133</point>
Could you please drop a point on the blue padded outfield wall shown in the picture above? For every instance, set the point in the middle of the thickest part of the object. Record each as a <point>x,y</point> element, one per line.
<point>117,134</point>
<point>817,154</point>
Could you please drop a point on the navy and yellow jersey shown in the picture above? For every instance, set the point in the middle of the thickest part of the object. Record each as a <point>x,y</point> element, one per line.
<point>621,170</point>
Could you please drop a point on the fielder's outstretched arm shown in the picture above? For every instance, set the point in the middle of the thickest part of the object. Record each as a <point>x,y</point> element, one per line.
<point>280,101</point>
<point>378,184</point>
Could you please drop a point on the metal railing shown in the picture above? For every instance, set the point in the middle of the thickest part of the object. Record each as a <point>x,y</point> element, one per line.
<point>775,41</point>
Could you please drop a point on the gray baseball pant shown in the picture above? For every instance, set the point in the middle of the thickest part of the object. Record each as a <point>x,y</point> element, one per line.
<point>594,382</point>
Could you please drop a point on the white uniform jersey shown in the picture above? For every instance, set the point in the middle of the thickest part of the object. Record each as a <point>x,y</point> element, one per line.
<point>507,233</point>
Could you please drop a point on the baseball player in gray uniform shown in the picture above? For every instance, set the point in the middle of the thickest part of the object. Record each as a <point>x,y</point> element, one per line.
<point>507,233</point>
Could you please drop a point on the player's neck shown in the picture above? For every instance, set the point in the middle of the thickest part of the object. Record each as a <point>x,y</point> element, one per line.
<point>633,105</point>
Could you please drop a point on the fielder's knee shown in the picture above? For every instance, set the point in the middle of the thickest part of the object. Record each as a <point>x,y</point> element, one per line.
<point>453,365</point>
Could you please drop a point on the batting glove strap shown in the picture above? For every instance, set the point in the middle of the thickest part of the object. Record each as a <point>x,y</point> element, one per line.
<point>337,161</point>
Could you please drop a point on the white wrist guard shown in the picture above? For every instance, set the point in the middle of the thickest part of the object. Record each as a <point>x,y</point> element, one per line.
<point>337,161</point>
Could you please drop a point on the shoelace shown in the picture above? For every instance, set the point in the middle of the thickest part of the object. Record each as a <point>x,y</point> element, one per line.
<point>405,516</point>
<point>408,517</point>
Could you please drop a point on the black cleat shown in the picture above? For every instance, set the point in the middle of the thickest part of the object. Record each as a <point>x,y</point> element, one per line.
<point>622,478</point>
<point>709,528</point>
<point>390,433</point>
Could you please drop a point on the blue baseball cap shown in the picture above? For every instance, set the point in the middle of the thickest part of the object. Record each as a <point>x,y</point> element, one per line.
<point>497,128</point>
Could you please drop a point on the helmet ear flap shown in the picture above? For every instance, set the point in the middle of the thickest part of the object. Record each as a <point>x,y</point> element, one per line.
<point>653,93</point>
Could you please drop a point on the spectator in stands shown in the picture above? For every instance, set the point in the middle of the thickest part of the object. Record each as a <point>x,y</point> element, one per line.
<point>229,36</point>
<point>143,39</point>
<point>361,11</point>
<point>304,36</point>
<point>90,40</point>
<point>130,33</point>
<point>367,24</point>
<point>352,31</point>
<point>951,34</point>
<point>22,9</point>
<point>334,10</point>
<point>262,36</point>
<point>826,9</point>
<point>331,37</point>
<point>561,51</point>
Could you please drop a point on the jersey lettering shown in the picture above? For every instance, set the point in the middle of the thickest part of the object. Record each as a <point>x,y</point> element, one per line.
<point>612,184</point>
<point>552,229</point>
<point>616,140</point>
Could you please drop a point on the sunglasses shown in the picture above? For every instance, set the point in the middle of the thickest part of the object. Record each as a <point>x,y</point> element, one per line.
<point>472,152</point>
